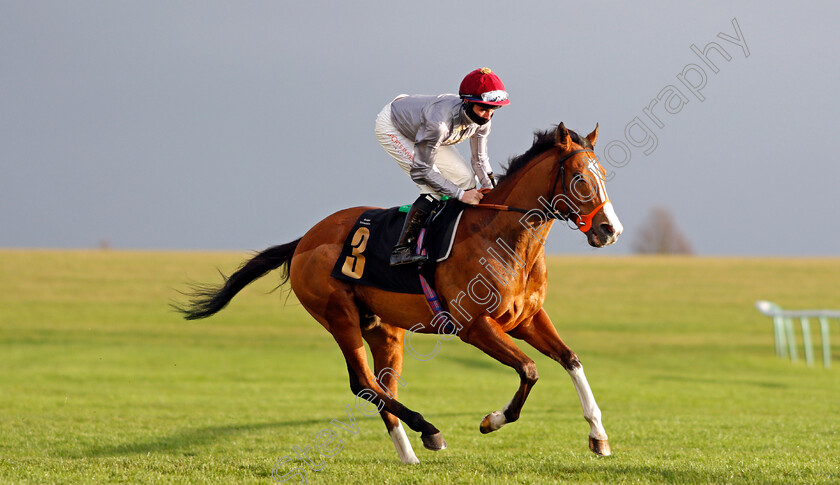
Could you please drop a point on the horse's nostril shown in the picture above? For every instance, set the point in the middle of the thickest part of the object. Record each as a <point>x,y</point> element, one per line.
<point>607,229</point>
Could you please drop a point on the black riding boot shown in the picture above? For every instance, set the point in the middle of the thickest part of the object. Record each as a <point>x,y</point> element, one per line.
<point>405,250</point>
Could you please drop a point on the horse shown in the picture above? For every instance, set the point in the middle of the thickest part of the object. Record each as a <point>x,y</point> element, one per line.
<point>494,281</point>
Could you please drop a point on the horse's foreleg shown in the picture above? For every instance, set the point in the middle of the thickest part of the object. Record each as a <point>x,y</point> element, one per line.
<point>386,345</point>
<point>487,335</point>
<point>541,334</point>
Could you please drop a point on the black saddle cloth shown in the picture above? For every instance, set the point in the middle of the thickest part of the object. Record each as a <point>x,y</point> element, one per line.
<point>365,256</point>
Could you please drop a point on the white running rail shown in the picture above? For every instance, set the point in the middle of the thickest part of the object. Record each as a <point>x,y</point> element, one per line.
<point>784,334</point>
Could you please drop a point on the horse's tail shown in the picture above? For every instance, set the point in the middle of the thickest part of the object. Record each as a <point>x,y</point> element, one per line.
<point>206,300</point>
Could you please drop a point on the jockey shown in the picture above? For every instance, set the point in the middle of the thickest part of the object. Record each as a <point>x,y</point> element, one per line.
<point>418,131</point>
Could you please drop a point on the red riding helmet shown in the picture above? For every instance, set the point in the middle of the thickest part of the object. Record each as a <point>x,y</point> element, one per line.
<point>484,86</point>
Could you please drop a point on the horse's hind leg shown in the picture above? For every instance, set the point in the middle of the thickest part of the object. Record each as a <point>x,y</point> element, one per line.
<point>386,345</point>
<point>333,304</point>
<point>540,333</point>
<point>363,384</point>
<point>342,318</point>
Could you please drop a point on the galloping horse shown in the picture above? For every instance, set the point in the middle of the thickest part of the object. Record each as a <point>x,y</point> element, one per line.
<point>494,282</point>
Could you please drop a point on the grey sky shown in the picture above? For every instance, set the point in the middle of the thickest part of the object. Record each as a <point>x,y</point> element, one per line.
<point>238,125</point>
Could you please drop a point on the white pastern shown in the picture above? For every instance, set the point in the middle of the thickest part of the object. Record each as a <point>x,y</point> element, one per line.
<point>403,446</point>
<point>497,420</point>
<point>591,412</point>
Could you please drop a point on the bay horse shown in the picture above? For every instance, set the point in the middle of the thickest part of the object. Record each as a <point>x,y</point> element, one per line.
<point>494,281</point>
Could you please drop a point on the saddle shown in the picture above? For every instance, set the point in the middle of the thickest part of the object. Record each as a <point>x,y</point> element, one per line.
<point>365,256</point>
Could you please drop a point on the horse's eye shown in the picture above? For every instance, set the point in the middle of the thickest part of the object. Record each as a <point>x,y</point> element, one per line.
<point>580,179</point>
<point>581,187</point>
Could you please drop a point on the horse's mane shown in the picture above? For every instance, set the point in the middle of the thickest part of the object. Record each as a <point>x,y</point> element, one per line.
<point>543,140</point>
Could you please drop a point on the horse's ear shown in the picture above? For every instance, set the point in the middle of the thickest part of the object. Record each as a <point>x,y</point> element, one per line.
<point>562,138</point>
<point>593,136</point>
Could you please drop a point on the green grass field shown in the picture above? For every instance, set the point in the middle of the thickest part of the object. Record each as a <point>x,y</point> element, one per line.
<point>101,383</point>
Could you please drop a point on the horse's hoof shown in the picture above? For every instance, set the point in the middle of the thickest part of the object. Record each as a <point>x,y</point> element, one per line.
<point>600,447</point>
<point>492,422</point>
<point>485,425</point>
<point>434,442</point>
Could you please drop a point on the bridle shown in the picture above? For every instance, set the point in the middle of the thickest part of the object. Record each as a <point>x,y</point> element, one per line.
<point>583,222</point>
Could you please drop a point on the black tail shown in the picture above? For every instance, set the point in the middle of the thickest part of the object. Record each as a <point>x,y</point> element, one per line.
<point>209,299</point>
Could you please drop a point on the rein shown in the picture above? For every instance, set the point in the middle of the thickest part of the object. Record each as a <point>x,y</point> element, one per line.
<point>583,222</point>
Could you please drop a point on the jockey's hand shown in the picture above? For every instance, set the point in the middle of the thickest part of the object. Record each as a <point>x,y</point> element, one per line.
<point>472,197</point>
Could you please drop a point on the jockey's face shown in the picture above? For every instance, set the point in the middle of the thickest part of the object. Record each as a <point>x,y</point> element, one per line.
<point>483,110</point>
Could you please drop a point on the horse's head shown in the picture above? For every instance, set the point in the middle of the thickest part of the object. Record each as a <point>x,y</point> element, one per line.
<point>581,181</point>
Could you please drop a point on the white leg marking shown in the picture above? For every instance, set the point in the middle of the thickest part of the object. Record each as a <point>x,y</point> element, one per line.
<point>497,418</point>
<point>591,412</point>
<point>403,446</point>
